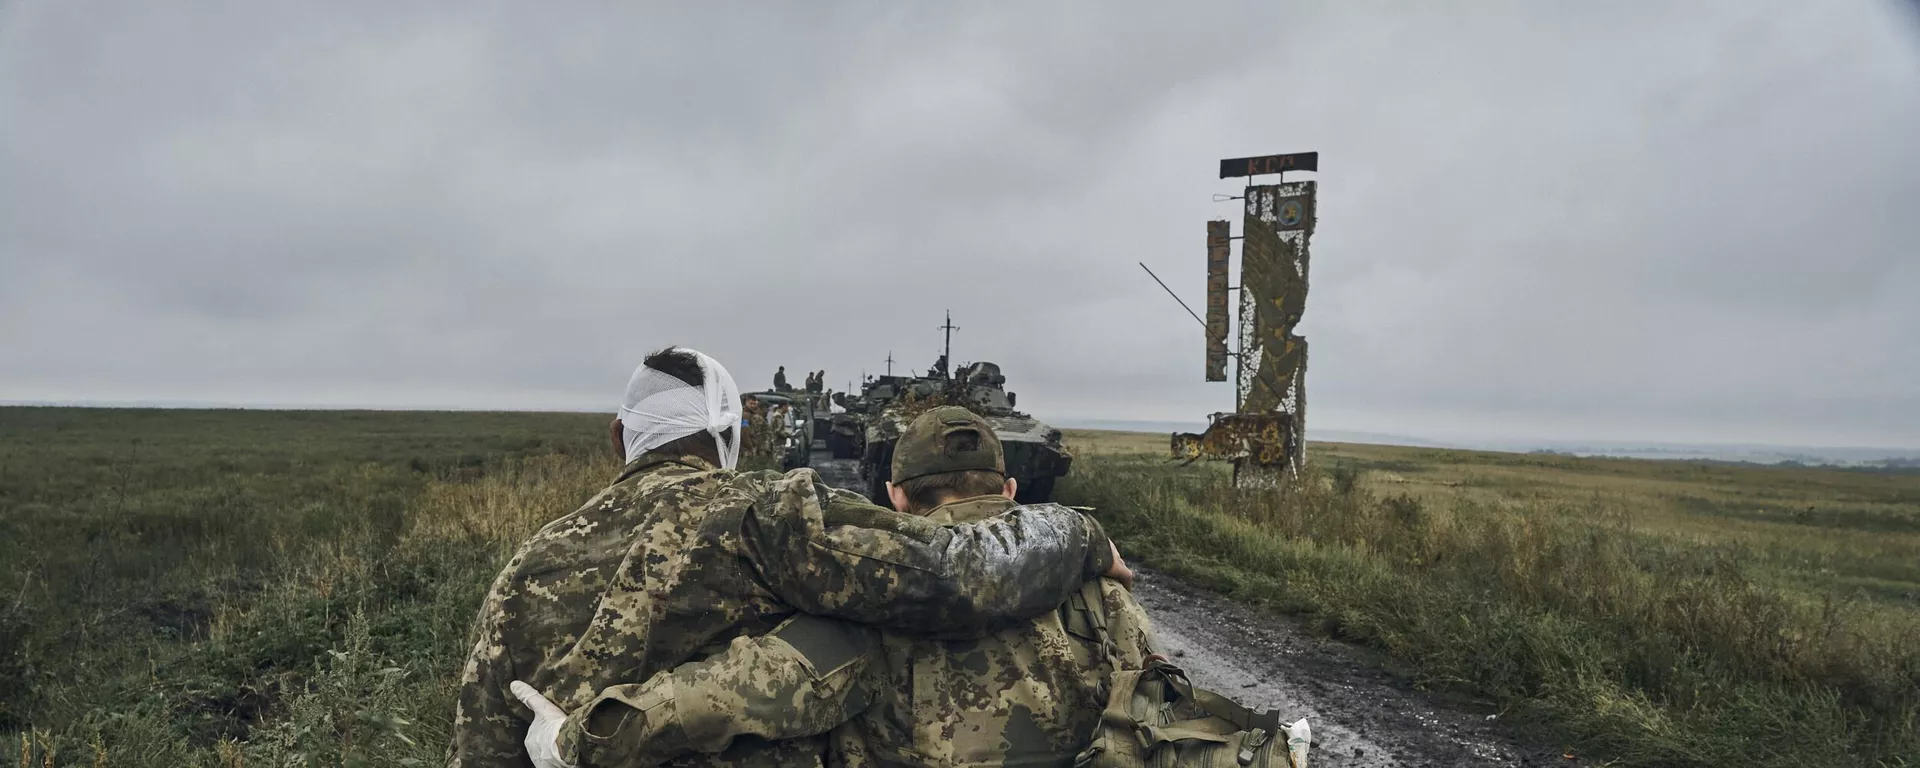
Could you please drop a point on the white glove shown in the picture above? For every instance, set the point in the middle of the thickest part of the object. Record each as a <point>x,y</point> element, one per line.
<point>1299,738</point>
<point>543,737</point>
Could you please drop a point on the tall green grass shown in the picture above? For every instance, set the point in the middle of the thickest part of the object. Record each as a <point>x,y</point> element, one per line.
<point>224,588</point>
<point>204,588</point>
<point>1648,646</point>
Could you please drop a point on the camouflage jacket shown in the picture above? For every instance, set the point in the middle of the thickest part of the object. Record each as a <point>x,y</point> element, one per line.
<point>677,557</point>
<point>1023,695</point>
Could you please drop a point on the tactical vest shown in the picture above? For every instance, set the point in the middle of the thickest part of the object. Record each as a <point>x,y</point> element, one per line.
<point>1157,717</point>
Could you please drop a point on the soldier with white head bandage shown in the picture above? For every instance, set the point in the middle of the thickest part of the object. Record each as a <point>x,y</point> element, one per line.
<point>682,554</point>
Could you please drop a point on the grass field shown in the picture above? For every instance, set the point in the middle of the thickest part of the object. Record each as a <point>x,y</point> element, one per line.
<point>229,588</point>
<point>1663,613</point>
<point>226,587</point>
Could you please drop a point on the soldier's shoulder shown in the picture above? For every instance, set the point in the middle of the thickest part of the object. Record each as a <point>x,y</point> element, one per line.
<point>755,479</point>
<point>1046,510</point>
<point>844,496</point>
<point>600,527</point>
<point>609,502</point>
<point>1118,594</point>
<point>675,493</point>
<point>719,510</point>
<point>1047,506</point>
<point>759,485</point>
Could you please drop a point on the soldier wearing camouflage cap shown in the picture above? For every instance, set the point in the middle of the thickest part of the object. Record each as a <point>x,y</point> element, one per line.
<point>682,554</point>
<point>1027,694</point>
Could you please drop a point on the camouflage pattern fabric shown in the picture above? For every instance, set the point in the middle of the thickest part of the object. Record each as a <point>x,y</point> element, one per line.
<point>806,677</point>
<point>764,436</point>
<point>924,448</point>
<point>1021,696</point>
<point>1029,694</point>
<point>677,558</point>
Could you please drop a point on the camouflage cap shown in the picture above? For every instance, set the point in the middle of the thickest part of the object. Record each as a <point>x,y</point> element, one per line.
<point>946,439</point>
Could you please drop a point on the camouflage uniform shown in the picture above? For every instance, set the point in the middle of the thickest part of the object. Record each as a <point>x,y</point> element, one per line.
<point>1023,695</point>
<point>1027,694</point>
<point>677,558</point>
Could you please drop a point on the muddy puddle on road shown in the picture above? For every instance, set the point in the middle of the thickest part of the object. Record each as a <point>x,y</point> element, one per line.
<point>1362,717</point>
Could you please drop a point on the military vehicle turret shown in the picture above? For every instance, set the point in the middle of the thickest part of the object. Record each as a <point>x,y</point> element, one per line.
<point>1035,455</point>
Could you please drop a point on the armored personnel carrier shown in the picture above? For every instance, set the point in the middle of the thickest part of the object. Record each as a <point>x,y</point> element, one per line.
<point>847,431</point>
<point>1034,452</point>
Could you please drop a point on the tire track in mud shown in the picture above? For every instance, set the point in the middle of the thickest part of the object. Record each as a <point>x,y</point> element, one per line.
<point>1362,716</point>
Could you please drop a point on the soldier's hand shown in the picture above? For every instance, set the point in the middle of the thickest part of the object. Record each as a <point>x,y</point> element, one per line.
<point>543,737</point>
<point>1119,572</point>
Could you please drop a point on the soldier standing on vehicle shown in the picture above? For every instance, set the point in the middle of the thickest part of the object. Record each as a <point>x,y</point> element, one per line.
<point>682,554</point>
<point>1029,694</point>
<point>780,380</point>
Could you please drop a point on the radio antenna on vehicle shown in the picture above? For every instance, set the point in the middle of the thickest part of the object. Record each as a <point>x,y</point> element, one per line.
<point>946,357</point>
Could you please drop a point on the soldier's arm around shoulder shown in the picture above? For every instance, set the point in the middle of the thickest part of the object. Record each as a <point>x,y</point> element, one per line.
<point>804,678</point>
<point>833,553</point>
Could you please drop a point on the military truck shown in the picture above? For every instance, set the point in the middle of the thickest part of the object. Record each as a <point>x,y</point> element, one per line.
<point>1034,452</point>
<point>777,428</point>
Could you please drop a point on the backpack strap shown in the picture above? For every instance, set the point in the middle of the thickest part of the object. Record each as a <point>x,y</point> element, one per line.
<point>1215,704</point>
<point>1117,722</point>
<point>1091,604</point>
<point>1200,729</point>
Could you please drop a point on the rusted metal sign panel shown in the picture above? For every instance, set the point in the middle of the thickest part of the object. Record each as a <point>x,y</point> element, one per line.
<point>1266,437</point>
<point>1256,166</point>
<point>1260,438</point>
<point>1218,237</point>
<point>1293,213</point>
<point>1273,295</point>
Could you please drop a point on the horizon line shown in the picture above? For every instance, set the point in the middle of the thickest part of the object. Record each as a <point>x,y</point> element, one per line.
<point>1462,443</point>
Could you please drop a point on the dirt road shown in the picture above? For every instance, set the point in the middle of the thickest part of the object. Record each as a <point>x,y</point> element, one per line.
<point>1362,717</point>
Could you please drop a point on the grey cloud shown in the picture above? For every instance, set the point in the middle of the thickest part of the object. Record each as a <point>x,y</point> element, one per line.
<point>1663,222</point>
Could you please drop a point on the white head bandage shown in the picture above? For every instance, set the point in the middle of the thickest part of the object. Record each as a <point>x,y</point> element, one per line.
<point>660,409</point>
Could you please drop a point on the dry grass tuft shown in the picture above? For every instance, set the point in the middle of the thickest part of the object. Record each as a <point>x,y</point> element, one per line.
<point>243,587</point>
<point>1666,613</point>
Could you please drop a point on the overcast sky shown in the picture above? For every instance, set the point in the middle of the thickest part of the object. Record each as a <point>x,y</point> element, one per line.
<point>1542,220</point>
